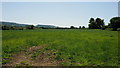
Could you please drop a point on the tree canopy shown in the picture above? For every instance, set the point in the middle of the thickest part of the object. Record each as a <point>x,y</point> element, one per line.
<point>96,24</point>
<point>115,23</point>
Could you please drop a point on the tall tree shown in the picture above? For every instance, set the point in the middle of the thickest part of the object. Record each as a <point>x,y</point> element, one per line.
<point>91,20</point>
<point>100,23</point>
<point>92,23</point>
<point>83,26</point>
<point>96,24</point>
<point>79,27</point>
<point>72,27</point>
<point>115,23</point>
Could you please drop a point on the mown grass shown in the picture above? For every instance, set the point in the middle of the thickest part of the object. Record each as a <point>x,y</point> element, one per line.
<point>76,47</point>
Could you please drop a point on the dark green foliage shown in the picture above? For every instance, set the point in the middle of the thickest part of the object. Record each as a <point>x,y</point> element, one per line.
<point>12,27</point>
<point>30,27</point>
<point>115,23</point>
<point>92,24</point>
<point>100,23</point>
<point>96,24</point>
<point>79,27</point>
<point>91,20</point>
<point>83,26</point>
<point>104,27</point>
<point>109,26</point>
<point>5,27</point>
<point>72,27</point>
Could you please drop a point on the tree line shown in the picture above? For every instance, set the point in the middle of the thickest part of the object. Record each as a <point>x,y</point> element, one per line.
<point>97,23</point>
<point>8,27</point>
<point>29,27</point>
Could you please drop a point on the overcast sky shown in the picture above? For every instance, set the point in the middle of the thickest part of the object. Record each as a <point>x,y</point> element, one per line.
<point>58,13</point>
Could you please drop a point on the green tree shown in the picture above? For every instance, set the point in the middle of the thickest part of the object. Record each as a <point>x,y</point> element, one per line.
<point>115,23</point>
<point>5,27</point>
<point>91,20</point>
<point>92,24</point>
<point>96,24</point>
<point>72,27</point>
<point>83,26</point>
<point>79,27</point>
<point>30,26</point>
<point>99,23</point>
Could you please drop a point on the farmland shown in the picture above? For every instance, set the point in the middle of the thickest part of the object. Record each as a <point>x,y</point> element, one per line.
<point>69,47</point>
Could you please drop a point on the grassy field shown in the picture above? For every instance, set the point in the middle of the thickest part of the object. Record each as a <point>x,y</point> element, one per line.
<point>76,47</point>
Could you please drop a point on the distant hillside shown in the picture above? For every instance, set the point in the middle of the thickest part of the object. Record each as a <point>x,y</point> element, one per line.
<point>16,24</point>
<point>46,26</point>
<point>11,24</point>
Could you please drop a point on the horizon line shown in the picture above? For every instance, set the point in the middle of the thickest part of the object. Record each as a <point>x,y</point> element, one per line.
<point>41,24</point>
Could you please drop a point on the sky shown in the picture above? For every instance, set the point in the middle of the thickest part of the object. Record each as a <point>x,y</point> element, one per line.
<point>59,0</point>
<point>58,13</point>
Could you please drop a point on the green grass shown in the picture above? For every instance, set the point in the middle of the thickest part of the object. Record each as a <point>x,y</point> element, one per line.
<point>86,47</point>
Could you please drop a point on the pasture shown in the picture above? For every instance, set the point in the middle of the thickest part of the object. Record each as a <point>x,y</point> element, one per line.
<point>69,47</point>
